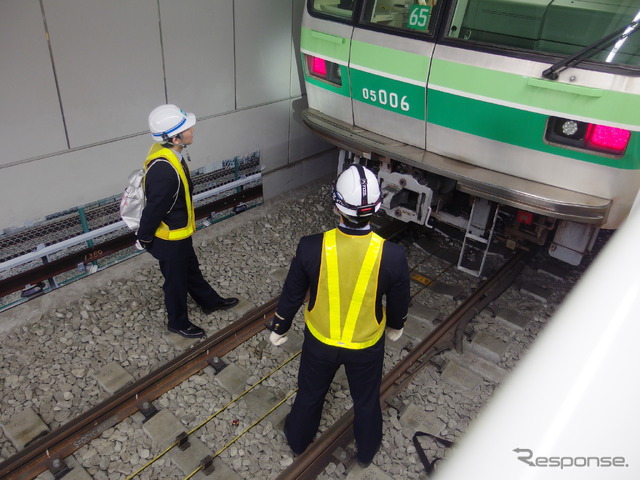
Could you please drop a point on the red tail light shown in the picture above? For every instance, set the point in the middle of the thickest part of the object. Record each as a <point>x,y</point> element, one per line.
<point>600,137</point>
<point>318,66</point>
<point>587,136</point>
<point>324,69</point>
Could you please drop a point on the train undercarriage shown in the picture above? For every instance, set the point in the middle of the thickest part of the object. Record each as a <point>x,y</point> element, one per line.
<point>411,194</point>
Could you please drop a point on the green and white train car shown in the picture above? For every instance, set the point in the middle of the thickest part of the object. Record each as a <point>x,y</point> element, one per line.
<point>511,119</point>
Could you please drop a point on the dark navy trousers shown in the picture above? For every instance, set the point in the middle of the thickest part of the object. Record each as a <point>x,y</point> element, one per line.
<point>181,271</point>
<point>318,365</point>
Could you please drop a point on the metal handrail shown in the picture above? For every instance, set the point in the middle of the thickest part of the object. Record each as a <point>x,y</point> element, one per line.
<point>56,247</point>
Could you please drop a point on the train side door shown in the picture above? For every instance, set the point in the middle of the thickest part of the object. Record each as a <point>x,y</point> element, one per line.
<point>325,42</point>
<point>389,65</point>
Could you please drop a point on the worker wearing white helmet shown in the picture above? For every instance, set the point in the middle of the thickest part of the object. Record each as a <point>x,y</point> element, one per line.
<point>357,194</point>
<point>347,271</point>
<point>168,220</point>
<point>168,121</point>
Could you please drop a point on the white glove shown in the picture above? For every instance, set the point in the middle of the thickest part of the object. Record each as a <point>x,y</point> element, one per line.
<point>393,334</point>
<point>277,339</point>
<point>139,245</point>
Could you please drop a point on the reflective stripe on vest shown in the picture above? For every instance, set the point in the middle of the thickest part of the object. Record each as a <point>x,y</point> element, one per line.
<point>342,335</point>
<point>163,231</point>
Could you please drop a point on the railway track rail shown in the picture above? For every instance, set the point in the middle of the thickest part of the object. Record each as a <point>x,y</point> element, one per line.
<point>49,452</point>
<point>447,334</point>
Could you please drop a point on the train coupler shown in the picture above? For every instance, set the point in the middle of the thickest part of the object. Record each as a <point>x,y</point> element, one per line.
<point>404,198</point>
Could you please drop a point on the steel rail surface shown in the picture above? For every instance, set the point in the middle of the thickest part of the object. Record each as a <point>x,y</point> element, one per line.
<point>446,335</point>
<point>59,444</point>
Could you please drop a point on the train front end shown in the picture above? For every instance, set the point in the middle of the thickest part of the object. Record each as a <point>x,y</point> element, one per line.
<point>482,114</point>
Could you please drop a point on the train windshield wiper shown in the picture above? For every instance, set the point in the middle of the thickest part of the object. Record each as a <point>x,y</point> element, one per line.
<point>552,72</point>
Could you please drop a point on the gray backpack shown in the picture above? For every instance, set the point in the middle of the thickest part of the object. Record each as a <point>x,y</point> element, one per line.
<point>134,200</point>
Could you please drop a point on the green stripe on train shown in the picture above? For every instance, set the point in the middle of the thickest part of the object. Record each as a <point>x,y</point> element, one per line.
<point>597,104</point>
<point>382,59</point>
<point>390,61</point>
<point>325,45</point>
<point>392,95</point>
<point>513,126</point>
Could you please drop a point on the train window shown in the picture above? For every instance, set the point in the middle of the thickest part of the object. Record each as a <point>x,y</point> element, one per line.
<point>560,27</point>
<point>407,15</point>
<point>336,8</point>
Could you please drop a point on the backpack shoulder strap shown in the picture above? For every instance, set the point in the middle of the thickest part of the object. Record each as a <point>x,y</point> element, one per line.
<point>154,162</point>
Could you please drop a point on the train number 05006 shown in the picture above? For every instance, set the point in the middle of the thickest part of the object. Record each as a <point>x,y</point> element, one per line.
<point>385,98</point>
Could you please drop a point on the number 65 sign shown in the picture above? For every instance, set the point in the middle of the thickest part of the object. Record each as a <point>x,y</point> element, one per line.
<point>419,17</point>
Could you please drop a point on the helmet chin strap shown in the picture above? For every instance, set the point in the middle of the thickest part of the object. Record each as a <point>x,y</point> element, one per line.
<point>181,144</point>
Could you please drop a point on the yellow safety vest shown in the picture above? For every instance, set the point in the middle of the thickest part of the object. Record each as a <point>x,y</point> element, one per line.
<point>163,231</point>
<point>344,313</point>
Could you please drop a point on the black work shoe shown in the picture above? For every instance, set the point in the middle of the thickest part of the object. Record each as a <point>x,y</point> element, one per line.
<point>190,332</point>
<point>226,304</point>
<point>364,464</point>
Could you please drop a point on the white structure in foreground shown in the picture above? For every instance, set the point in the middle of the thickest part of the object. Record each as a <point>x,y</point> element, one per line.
<point>570,409</point>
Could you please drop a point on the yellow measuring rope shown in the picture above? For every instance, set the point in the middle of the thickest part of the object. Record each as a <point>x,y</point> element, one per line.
<point>243,432</point>
<point>195,429</point>
<point>150,462</point>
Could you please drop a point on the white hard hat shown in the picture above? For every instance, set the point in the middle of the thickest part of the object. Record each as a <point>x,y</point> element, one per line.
<point>167,121</point>
<point>357,193</point>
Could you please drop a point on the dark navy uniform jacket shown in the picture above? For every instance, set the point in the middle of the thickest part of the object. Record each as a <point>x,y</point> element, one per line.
<point>393,281</point>
<point>161,184</point>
